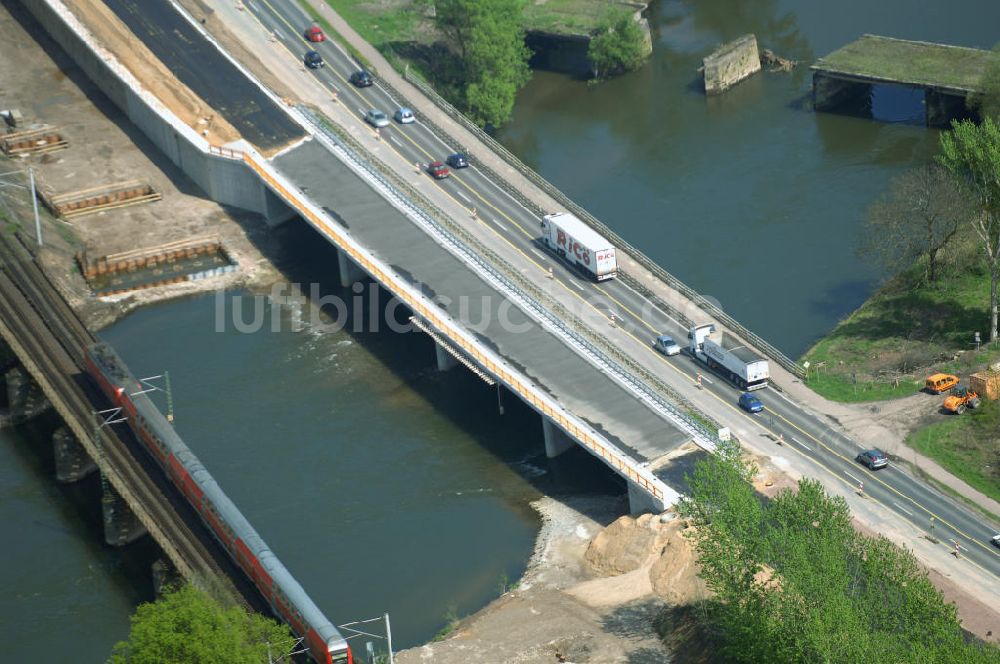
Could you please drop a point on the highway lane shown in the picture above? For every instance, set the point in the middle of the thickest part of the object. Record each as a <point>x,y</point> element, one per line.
<point>802,433</point>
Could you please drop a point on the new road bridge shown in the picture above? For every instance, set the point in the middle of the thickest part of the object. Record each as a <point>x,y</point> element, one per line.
<point>463,255</point>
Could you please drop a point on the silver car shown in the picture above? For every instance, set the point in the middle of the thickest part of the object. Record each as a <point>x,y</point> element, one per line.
<point>404,116</point>
<point>666,345</point>
<point>377,118</point>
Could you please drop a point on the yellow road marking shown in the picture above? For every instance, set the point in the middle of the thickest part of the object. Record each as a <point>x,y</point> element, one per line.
<point>639,318</point>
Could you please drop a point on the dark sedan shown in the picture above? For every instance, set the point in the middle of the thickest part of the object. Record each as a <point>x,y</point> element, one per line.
<point>361,79</point>
<point>457,160</point>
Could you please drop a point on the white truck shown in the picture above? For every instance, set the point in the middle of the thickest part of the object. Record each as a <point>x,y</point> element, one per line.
<point>729,356</point>
<point>581,245</point>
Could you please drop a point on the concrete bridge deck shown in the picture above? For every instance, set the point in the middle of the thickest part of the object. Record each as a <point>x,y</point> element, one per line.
<point>947,74</point>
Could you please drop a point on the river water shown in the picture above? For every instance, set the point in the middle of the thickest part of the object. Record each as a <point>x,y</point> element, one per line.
<point>386,486</point>
<point>749,197</point>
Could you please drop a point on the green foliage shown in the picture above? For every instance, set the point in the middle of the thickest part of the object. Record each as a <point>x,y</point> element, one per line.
<point>619,46</point>
<point>967,445</point>
<point>493,60</point>
<point>185,626</point>
<point>794,581</point>
<point>972,152</point>
<point>905,330</point>
<point>987,101</point>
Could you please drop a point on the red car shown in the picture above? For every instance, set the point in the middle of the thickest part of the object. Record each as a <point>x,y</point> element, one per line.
<point>314,33</point>
<point>438,170</point>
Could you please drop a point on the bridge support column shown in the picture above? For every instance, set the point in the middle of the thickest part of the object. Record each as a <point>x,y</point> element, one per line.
<point>164,576</point>
<point>556,440</point>
<point>640,502</point>
<point>940,109</point>
<point>121,526</point>
<point>349,271</point>
<point>829,92</point>
<point>24,398</point>
<point>72,461</point>
<point>445,360</point>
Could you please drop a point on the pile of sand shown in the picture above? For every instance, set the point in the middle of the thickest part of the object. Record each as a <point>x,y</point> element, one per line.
<point>640,557</point>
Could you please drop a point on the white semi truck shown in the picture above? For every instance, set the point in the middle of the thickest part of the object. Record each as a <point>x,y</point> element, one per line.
<point>729,356</point>
<point>581,245</point>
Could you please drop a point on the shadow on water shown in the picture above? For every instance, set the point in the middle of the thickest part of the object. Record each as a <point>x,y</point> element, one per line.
<point>493,417</point>
<point>78,513</point>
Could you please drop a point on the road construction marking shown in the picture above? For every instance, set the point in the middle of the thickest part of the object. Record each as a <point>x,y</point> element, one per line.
<point>463,197</point>
<point>393,139</point>
<point>502,227</point>
<point>852,477</point>
<point>902,508</point>
<point>574,284</point>
<point>336,46</point>
<point>537,253</point>
<point>801,443</point>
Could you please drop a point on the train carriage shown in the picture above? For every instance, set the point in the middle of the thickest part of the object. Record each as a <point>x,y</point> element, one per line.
<point>284,594</point>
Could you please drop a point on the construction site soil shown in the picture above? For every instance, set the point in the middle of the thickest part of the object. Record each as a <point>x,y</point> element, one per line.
<point>42,81</point>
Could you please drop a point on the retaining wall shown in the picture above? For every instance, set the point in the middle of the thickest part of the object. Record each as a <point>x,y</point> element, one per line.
<point>730,64</point>
<point>223,179</point>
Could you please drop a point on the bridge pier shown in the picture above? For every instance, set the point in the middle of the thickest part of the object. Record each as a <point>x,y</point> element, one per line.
<point>557,442</point>
<point>445,360</point>
<point>640,502</point>
<point>25,399</point>
<point>350,273</point>
<point>830,93</point>
<point>941,108</point>
<point>121,526</point>
<point>72,461</point>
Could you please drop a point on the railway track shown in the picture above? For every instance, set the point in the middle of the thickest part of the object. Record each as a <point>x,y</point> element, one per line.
<point>49,339</point>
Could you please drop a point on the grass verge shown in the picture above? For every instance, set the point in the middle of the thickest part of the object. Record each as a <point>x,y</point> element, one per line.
<point>967,446</point>
<point>906,330</point>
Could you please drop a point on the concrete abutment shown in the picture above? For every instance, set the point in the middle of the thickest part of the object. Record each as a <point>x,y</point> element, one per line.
<point>639,501</point>
<point>829,92</point>
<point>444,359</point>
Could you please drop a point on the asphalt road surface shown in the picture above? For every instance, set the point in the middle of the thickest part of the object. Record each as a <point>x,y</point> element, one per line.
<point>799,431</point>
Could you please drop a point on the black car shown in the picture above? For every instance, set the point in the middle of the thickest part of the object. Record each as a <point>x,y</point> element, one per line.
<point>457,160</point>
<point>361,79</point>
<point>874,459</point>
<point>313,60</point>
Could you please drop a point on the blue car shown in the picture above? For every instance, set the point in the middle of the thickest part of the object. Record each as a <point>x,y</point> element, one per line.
<point>750,403</point>
<point>457,160</point>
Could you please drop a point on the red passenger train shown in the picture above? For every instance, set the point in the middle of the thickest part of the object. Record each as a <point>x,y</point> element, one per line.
<point>286,597</point>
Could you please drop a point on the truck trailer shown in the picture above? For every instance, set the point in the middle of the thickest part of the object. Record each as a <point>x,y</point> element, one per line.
<point>579,244</point>
<point>729,356</point>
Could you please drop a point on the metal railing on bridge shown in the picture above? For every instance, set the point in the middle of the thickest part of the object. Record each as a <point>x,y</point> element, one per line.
<point>544,307</point>
<point>705,304</point>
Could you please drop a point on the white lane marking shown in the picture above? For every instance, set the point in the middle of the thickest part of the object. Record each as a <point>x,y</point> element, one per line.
<point>464,197</point>
<point>902,508</point>
<point>502,227</point>
<point>578,286</point>
<point>801,443</point>
<point>361,111</point>
<point>537,253</point>
<point>852,477</point>
<point>393,139</point>
<point>642,298</point>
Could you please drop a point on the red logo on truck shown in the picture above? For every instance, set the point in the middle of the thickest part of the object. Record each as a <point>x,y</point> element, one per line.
<point>561,238</point>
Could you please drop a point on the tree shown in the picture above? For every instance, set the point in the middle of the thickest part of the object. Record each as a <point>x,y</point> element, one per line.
<point>489,38</point>
<point>186,626</point>
<point>972,152</point>
<point>917,218</point>
<point>794,582</point>
<point>619,46</point>
<point>987,101</point>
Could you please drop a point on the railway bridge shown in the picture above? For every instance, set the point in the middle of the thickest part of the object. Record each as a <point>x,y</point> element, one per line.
<point>43,343</point>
